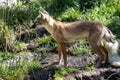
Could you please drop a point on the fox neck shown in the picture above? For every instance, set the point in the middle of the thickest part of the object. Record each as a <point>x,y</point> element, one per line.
<point>49,26</point>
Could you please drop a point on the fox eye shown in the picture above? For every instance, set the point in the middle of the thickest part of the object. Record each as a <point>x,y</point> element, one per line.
<point>39,18</point>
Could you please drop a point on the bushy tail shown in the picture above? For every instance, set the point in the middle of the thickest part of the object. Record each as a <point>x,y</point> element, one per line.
<point>108,36</point>
<point>111,45</point>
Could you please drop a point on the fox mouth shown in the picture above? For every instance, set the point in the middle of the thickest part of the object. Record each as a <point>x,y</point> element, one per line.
<point>33,25</point>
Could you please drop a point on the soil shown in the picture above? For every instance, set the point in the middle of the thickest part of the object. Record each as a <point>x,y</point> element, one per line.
<point>46,73</point>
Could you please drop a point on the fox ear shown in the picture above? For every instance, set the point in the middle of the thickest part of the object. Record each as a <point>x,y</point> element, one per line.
<point>40,8</point>
<point>42,14</point>
<point>43,10</point>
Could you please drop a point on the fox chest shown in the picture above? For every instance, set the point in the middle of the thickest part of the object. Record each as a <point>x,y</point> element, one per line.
<point>58,36</point>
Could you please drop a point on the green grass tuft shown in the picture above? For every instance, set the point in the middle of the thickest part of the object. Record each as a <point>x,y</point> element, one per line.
<point>63,72</point>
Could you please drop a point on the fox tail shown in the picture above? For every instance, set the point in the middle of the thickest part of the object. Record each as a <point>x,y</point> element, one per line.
<point>111,45</point>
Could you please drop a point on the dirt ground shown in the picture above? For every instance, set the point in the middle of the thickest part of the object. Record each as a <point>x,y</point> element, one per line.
<point>106,72</point>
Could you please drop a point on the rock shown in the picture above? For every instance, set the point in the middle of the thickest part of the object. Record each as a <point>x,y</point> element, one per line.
<point>20,57</point>
<point>42,74</point>
<point>97,74</point>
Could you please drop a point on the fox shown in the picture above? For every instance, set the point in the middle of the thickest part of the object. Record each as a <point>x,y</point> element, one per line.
<point>65,32</point>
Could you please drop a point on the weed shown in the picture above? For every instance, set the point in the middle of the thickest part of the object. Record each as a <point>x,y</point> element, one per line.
<point>20,47</point>
<point>17,69</point>
<point>69,14</point>
<point>7,37</point>
<point>5,55</point>
<point>44,40</point>
<point>80,47</point>
<point>63,72</point>
<point>35,65</point>
<point>89,66</point>
<point>47,44</point>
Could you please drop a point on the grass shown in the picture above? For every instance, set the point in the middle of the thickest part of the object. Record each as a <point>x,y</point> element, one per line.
<point>7,37</point>
<point>105,11</point>
<point>20,47</point>
<point>80,47</point>
<point>18,72</point>
<point>89,66</point>
<point>44,40</point>
<point>47,43</point>
<point>5,55</point>
<point>63,72</point>
<point>16,68</point>
<point>69,14</point>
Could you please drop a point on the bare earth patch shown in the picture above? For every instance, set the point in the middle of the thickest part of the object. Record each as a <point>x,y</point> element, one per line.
<point>48,62</point>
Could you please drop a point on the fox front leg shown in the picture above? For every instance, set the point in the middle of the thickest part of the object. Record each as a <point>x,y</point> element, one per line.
<point>60,54</point>
<point>63,46</point>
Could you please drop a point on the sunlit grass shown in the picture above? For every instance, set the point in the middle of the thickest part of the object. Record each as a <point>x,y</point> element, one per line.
<point>63,72</point>
<point>69,14</point>
<point>80,47</point>
<point>20,47</point>
<point>46,43</point>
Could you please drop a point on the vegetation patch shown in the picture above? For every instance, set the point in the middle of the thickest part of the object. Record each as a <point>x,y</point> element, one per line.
<point>63,72</point>
<point>105,11</point>
<point>80,47</point>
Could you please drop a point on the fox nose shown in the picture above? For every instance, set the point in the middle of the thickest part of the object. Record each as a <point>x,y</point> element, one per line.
<point>33,25</point>
<point>33,21</point>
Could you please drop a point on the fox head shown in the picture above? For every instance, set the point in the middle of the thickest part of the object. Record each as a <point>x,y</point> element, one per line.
<point>41,19</point>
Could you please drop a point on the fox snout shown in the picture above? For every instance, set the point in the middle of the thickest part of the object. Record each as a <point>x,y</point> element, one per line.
<point>33,25</point>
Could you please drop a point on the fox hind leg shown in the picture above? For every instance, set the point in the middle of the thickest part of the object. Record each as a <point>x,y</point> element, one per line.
<point>63,45</point>
<point>94,41</point>
<point>105,53</point>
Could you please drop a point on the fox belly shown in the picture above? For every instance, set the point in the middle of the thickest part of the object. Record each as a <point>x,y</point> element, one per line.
<point>71,37</point>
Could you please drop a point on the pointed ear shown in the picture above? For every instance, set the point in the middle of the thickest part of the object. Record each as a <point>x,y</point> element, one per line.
<point>43,10</point>
<point>42,14</point>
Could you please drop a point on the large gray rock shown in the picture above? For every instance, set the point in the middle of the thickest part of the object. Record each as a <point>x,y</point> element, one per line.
<point>22,57</point>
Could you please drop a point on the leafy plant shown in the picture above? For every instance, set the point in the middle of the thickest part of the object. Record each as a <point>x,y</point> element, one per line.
<point>47,44</point>
<point>80,47</point>
<point>63,72</point>
<point>44,40</point>
<point>20,47</point>
<point>5,55</point>
<point>17,70</point>
<point>89,66</point>
<point>7,37</point>
<point>69,15</point>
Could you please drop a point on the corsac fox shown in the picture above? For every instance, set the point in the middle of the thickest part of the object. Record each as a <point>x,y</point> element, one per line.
<point>64,33</point>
